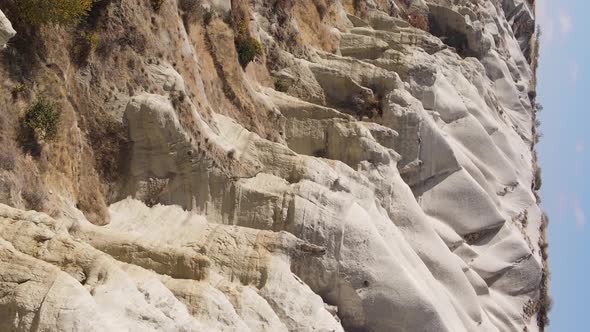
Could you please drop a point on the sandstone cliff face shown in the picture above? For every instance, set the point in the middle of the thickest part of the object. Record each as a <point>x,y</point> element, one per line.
<point>372,170</point>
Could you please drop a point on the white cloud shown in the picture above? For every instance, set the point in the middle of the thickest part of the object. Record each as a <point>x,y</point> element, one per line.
<point>565,22</point>
<point>579,214</point>
<point>580,147</point>
<point>548,30</point>
<point>541,11</point>
<point>547,23</point>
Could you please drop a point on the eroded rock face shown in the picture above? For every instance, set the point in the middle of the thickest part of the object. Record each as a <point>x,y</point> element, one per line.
<point>6,30</point>
<point>384,185</point>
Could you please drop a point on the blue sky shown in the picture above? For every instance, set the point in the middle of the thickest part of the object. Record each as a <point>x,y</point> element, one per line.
<point>563,88</point>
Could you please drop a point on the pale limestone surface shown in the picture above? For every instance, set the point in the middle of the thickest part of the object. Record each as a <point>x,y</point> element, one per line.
<point>6,30</point>
<point>410,220</point>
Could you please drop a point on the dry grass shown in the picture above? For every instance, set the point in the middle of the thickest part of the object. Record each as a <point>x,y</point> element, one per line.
<point>20,181</point>
<point>246,108</point>
<point>322,7</point>
<point>313,31</point>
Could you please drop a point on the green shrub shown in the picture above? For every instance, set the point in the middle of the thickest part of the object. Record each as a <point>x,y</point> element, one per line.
<point>282,85</point>
<point>248,48</point>
<point>42,118</point>
<point>189,6</point>
<point>85,43</point>
<point>92,39</point>
<point>545,301</point>
<point>39,12</point>
<point>18,89</point>
<point>538,181</point>
<point>207,17</point>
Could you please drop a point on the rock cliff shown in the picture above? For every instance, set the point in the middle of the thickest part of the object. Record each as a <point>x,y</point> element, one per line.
<point>273,165</point>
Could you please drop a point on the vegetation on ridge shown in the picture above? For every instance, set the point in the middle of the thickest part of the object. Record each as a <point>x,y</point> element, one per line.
<point>248,47</point>
<point>39,12</point>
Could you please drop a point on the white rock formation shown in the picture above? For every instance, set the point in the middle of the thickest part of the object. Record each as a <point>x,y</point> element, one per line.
<point>6,30</point>
<point>397,198</point>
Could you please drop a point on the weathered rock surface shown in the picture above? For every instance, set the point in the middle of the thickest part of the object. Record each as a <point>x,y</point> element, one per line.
<point>362,174</point>
<point>6,30</point>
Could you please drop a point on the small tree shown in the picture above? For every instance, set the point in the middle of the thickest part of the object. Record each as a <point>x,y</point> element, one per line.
<point>39,12</point>
<point>42,118</point>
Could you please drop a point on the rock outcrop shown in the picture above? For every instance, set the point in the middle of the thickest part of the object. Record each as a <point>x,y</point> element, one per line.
<point>6,30</point>
<point>372,169</point>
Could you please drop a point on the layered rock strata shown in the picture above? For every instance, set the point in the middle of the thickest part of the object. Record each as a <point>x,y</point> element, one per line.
<point>372,169</point>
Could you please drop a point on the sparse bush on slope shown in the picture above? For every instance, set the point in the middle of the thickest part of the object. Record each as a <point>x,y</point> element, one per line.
<point>42,118</point>
<point>39,12</point>
<point>538,181</point>
<point>248,47</point>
